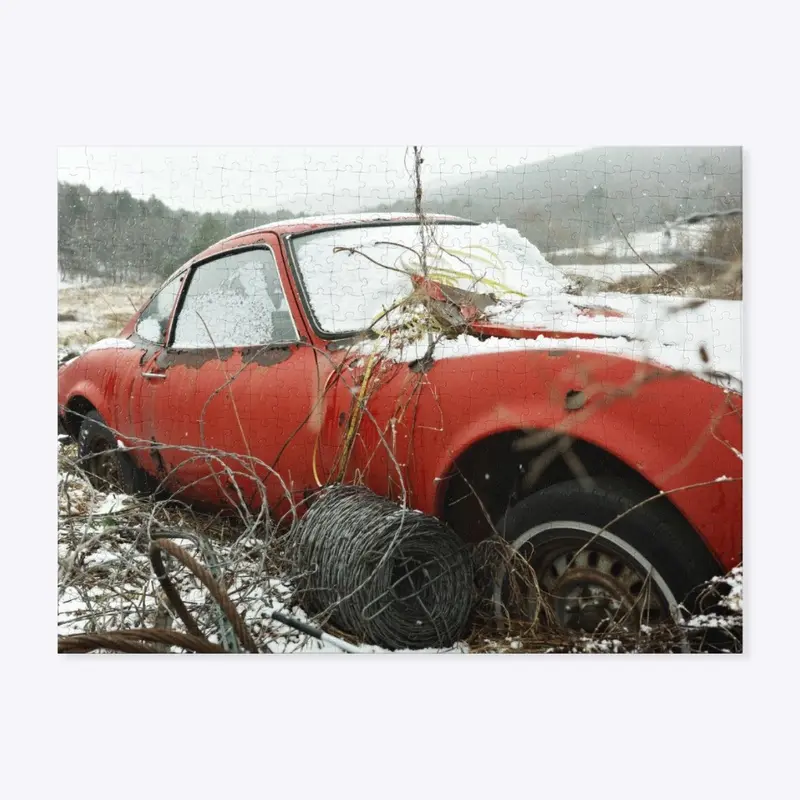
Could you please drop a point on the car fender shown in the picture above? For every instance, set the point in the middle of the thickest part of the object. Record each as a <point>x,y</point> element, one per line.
<point>93,376</point>
<point>674,429</point>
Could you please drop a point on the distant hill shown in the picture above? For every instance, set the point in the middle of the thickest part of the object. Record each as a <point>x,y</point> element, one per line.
<point>571,200</point>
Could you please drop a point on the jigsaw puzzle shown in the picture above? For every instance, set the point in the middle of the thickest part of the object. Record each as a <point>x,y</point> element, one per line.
<point>377,399</point>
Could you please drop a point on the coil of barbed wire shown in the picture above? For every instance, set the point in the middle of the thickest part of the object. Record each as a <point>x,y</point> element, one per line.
<point>392,576</point>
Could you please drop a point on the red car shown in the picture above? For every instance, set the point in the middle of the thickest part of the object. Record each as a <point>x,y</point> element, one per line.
<point>476,389</point>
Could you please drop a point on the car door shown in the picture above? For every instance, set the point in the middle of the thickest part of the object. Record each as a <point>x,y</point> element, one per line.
<point>228,401</point>
<point>148,336</point>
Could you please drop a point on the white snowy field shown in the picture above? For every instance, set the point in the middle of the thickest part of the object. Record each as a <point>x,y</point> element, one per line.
<point>106,583</point>
<point>655,245</point>
<point>607,273</point>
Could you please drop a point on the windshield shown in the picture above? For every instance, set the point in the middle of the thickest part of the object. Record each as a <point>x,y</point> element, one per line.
<point>352,276</point>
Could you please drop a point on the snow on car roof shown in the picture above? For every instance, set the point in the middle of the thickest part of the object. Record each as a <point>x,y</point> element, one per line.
<point>303,224</point>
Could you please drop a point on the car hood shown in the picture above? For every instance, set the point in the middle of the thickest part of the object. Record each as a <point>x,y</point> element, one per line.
<point>702,337</point>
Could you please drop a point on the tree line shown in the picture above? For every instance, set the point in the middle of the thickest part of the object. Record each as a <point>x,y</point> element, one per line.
<point>117,238</point>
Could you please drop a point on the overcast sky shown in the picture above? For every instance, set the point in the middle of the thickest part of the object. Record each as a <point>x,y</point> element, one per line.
<point>314,179</point>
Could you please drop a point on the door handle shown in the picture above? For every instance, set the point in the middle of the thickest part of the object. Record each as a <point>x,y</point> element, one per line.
<point>160,375</point>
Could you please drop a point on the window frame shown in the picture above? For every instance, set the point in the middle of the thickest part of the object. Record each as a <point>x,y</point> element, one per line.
<point>187,281</point>
<point>180,276</point>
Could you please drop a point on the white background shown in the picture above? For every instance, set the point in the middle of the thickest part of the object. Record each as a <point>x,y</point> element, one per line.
<point>332,74</point>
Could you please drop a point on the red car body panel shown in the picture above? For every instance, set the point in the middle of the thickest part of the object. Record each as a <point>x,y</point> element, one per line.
<point>663,430</point>
<point>288,407</point>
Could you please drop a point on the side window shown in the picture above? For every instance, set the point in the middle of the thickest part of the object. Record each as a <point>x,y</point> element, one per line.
<point>235,301</point>
<point>154,320</point>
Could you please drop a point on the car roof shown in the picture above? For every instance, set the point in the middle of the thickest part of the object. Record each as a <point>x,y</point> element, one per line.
<point>307,224</point>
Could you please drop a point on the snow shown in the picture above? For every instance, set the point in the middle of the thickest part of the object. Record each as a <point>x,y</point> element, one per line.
<point>347,291</point>
<point>111,344</point>
<point>587,645</point>
<point>610,273</point>
<point>228,303</point>
<point>112,503</point>
<point>646,243</point>
<point>734,583</point>
<point>671,356</point>
<point>664,333</point>
<point>149,328</point>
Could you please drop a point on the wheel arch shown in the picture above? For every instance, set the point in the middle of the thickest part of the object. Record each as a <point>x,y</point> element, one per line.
<point>485,478</point>
<point>679,434</point>
<point>83,398</point>
<point>75,411</point>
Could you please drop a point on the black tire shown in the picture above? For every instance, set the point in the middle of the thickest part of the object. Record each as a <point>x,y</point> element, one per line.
<point>108,467</point>
<point>653,540</point>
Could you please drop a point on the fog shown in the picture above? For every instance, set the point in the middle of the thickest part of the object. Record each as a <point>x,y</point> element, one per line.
<point>307,179</point>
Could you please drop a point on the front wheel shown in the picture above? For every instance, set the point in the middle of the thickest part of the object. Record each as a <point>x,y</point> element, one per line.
<point>107,466</point>
<point>595,573</point>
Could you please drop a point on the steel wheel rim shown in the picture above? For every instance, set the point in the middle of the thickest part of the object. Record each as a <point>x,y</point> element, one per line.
<point>588,578</point>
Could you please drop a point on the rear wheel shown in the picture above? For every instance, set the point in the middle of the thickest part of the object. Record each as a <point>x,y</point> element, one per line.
<point>108,467</point>
<point>595,573</point>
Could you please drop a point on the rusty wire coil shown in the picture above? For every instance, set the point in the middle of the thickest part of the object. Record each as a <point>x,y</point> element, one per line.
<point>393,577</point>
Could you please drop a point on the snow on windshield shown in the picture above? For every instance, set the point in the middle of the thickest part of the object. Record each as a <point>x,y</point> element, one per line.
<point>348,290</point>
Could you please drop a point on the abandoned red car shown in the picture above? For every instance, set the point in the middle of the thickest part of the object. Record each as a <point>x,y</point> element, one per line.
<point>445,365</point>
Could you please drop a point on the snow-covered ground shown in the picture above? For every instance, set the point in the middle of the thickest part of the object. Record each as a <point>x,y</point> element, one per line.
<point>106,580</point>
<point>649,244</point>
<point>106,583</point>
<point>611,273</point>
